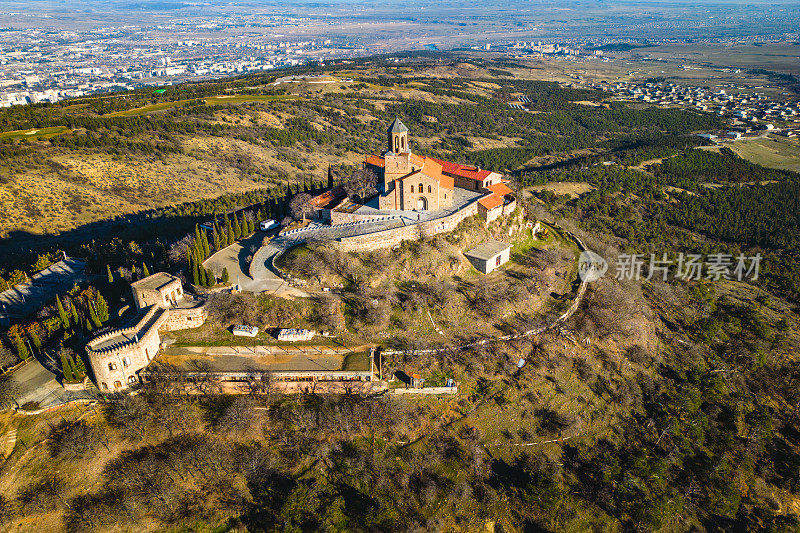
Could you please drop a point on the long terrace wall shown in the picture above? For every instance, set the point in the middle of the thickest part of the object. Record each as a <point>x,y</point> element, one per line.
<point>393,237</point>
<point>338,217</point>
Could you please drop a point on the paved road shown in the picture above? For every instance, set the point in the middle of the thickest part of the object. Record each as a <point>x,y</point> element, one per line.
<point>234,258</point>
<point>261,349</point>
<point>261,267</point>
<point>34,384</point>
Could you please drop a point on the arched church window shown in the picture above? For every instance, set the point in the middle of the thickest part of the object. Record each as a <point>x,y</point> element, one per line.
<point>412,188</point>
<point>420,188</point>
<point>429,188</point>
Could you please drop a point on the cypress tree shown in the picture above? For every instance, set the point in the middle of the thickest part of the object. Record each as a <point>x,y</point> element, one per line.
<point>202,276</point>
<point>34,336</point>
<point>110,275</point>
<point>199,257</point>
<point>19,343</point>
<point>206,246</point>
<point>195,274</point>
<point>80,367</point>
<point>237,229</point>
<point>89,327</point>
<point>93,315</point>
<point>62,314</point>
<point>75,318</point>
<point>102,308</point>
<point>133,272</point>
<point>227,231</point>
<point>231,234</point>
<point>215,238</point>
<point>211,279</point>
<point>145,270</point>
<point>76,375</point>
<point>225,276</point>
<point>196,253</point>
<point>66,368</point>
<point>196,233</point>
<point>330,177</point>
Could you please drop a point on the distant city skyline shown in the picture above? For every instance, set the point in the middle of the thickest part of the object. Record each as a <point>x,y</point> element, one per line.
<point>54,50</point>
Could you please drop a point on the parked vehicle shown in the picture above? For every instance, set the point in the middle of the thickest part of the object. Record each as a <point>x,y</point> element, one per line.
<point>268,225</point>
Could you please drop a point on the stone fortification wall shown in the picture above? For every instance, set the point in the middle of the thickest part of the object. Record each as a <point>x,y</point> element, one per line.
<point>185,318</point>
<point>115,365</point>
<point>393,237</point>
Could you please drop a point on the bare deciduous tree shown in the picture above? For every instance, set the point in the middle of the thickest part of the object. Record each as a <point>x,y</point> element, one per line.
<point>362,184</point>
<point>178,249</point>
<point>300,206</point>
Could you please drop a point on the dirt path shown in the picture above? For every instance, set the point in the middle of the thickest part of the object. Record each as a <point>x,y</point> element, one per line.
<point>530,333</point>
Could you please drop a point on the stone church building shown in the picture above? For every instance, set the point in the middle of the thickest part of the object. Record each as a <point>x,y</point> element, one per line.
<point>411,182</point>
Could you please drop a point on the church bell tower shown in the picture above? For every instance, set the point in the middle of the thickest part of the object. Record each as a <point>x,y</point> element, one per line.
<point>398,137</point>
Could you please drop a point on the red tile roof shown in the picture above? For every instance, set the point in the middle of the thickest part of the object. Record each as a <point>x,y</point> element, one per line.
<point>431,167</point>
<point>491,201</point>
<point>326,199</point>
<point>463,171</point>
<point>500,188</point>
<point>444,171</point>
<point>376,161</point>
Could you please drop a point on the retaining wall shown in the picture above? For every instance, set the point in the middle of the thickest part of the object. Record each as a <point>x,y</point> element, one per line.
<point>337,217</point>
<point>393,237</point>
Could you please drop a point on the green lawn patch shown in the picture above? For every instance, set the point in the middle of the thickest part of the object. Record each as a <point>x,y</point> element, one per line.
<point>211,100</point>
<point>43,133</point>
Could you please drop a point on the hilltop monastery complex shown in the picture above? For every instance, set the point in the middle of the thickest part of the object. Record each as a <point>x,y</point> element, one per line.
<point>444,192</point>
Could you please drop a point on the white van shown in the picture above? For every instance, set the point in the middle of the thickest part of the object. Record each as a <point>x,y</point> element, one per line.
<point>268,225</point>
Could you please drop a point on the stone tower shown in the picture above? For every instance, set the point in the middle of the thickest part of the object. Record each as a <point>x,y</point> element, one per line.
<point>398,137</point>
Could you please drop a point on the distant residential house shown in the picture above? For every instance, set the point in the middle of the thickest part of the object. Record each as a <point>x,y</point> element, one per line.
<point>707,136</point>
<point>489,255</point>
